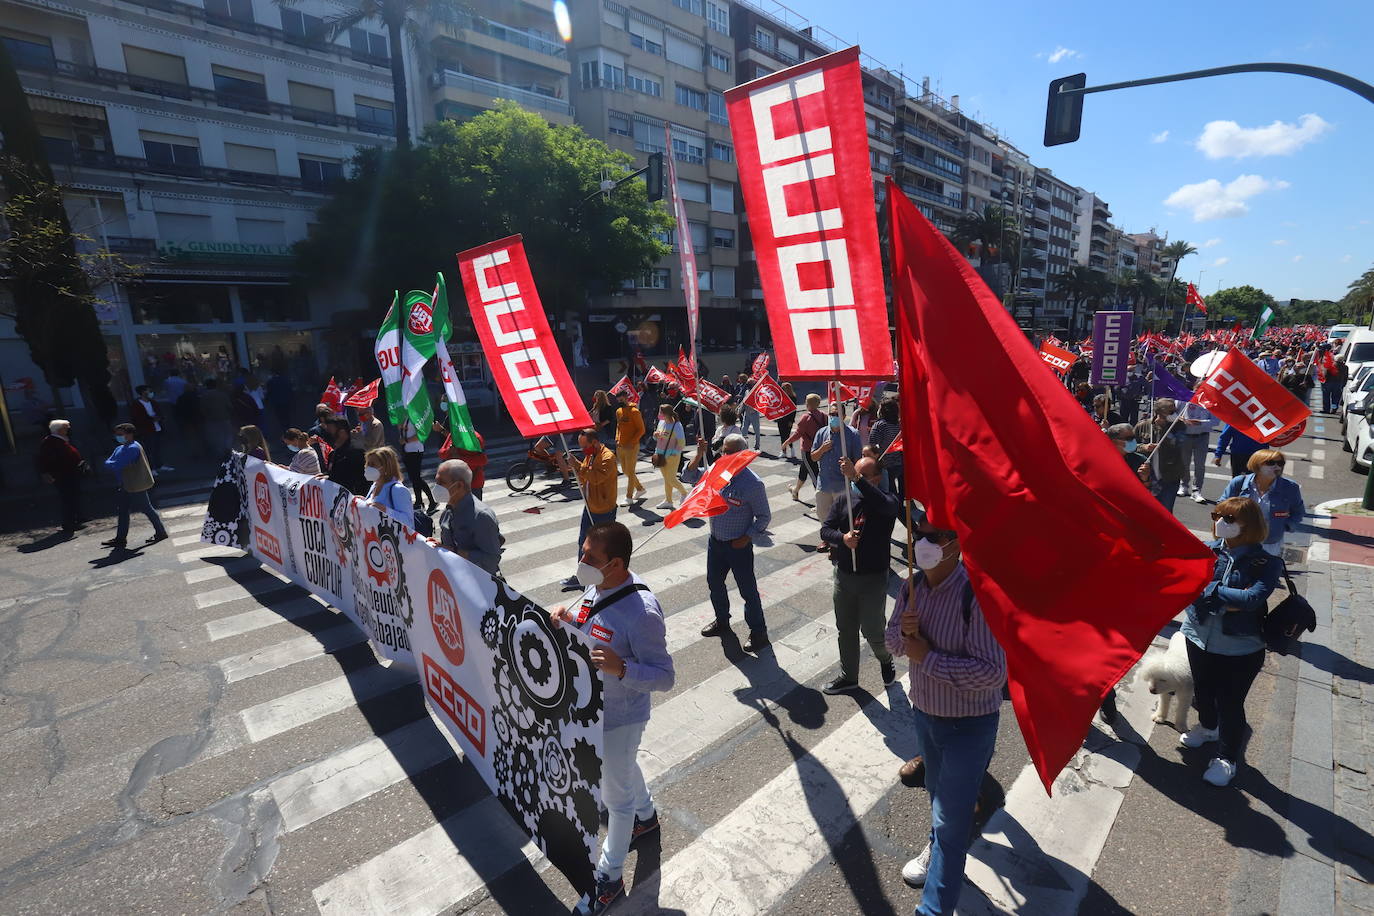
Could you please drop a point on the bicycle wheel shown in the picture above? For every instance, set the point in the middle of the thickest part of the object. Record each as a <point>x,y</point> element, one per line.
<point>520,476</point>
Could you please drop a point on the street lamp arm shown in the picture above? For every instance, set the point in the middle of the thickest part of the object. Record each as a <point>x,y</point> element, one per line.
<point>1362,89</point>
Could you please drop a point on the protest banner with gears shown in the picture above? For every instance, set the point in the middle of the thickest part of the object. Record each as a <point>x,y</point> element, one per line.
<point>518,698</point>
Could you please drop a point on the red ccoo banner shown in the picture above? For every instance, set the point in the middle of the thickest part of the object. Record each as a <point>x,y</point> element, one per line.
<point>801,142</point>
<point>1057,358</point>
<point>1240,393</point>
<point>509,318</point>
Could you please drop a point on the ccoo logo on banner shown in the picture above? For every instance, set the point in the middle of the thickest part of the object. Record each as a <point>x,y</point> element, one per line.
<point>519,698</point>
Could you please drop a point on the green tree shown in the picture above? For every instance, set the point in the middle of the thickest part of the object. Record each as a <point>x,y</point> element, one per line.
<point>1238,303</point>
<point>405,213</point>
<point>1080,284</point>
<point>1359,300</point>
<point>54,305</point>
<point>1172,254</point>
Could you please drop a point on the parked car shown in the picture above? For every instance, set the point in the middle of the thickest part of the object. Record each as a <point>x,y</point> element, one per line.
<point>1357,349</point>
<point>1356,394</point>
<point>1357,440</point>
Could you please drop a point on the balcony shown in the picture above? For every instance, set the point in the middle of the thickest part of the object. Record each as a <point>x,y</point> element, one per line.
<point>771,49</point>
<point>91,159</point>
<point>939,171</point>
<point>956,201</point>
<point>487,90</point>
<point>118,79</point>
<point>511,35</point>
<point>933,140</point>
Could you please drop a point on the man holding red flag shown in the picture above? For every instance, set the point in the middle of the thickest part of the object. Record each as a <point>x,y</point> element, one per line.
<point>730,549</point>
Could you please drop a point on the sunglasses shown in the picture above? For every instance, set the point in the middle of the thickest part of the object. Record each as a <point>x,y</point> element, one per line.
<point>1219,517</point>
<point>930,536</point>
<point>1274,463</point>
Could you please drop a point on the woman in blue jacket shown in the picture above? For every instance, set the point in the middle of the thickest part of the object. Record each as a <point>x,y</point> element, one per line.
<point>1222,629</point>
<point>1279,497</point>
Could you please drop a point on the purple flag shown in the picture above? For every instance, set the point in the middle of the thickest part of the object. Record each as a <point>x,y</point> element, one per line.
<point>1111,347</point>
<point>1166,386</point>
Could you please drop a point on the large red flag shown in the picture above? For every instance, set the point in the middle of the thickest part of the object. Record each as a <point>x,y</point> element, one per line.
<point>363,395</point>
<point>1240,393</point>
<point>686,373</point>
<point>705,499</point>
<point>804,171</point>
<point>768,398</point>
<point>525,362</point>
<point>1194,298</point>
<point>1076,566</point>
<point>333,396</point>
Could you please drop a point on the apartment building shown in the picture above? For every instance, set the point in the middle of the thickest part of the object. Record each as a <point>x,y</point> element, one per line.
<point>932,161</point>
<point>198,141</point>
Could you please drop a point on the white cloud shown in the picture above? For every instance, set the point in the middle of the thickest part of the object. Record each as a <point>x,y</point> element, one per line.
<point>1211,199</point>
<point>1221,262</point>
<point>1297,258</point>
<point>1280,241</point>
<point>1346,259</point>
<point>1159,137</point>
<point>1211,243</point>
<point>1061,53</point>
<point>1227,139</point>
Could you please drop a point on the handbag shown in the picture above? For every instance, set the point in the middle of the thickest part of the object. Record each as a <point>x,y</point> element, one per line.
<point>1283,626</point>
<point>657,459</point>
<point>137,476</point>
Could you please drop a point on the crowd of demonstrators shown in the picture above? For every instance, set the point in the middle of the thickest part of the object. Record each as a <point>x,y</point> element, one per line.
<point>730,550</point>
<point>304,458</point>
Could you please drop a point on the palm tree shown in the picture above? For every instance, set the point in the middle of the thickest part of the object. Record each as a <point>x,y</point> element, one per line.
<point>399,16</point>
<point>1175,252</point>
<point>992,228</point>
<point>1080,284</point>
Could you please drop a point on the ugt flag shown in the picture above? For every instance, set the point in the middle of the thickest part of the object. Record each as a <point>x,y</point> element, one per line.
<point>768,398</point>
<point>388,353</point>
<point>364,395</point>
<point>460,427</point>
<point>417,346</point>
<point>1049,518</point>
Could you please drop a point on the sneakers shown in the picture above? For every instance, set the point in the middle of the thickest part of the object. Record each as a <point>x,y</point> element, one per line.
<point>570,582</point>
<point>648,825</point>
<point>1182,490</point>
<point>666,504</point>
<point>714,628</point>
<point>1220,772</point>
<point>889,672</point>
<point>839,685</point>
<point>914,872</point>
<point>1197,736</point>
<point>601,897</point>
<point>758,639</point>
<point>641,493</point>
<point>795,490</point>
<point>1199,498</point>
<point>913,772</point>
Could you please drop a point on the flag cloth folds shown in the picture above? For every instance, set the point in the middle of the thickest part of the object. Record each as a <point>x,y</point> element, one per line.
<point>686,251</point>
<point>1240,393</point>
<point>364,395</point>
<point>417,347</point>
<point>388,353</point>
<point>710,396</point>
<point>760,365</point>
<point>1075,565</point>
<point>705,500</point>
<point>656,375</point>
<point>460,427</point>
<point>1166,385</point>
<point>769,399</point>
<point>1195,298</point>
<point>625,386</point>
<point>686,374</point>
<point>333,396</point>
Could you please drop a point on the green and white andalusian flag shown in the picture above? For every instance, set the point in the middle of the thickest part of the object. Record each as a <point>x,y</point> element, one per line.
<point>417,347</point>
<point>1265,317</point>
<point>388,353</point>
<point>459,419</point>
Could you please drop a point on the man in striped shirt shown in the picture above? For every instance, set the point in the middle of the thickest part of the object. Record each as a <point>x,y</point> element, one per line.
<point>957,672</point>
<point>730,550</point>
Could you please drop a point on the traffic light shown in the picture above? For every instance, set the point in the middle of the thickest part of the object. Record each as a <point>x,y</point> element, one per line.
<point>653,176</point>
<point>1064,112</point>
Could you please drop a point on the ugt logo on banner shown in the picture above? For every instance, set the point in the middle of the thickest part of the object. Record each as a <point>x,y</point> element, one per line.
<point>1111,346</point>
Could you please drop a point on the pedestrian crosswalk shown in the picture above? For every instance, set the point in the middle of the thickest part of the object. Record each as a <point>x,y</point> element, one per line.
<point>283,651</point>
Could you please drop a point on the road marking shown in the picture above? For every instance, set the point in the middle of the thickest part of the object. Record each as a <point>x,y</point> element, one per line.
<point>353,774</point>
<point>209,550</point>
<point>1316,471</point>
<point>256,588</point>
<point>432,869</point>
<point>194,524</point>
<point>750,858</point>
<point>238,624</point>
<point>684,627</point>
<point>319,700</point>
<point>212,571</point>
<point>186,540</point>
<point>1318,454</point>
<point>291,652</point>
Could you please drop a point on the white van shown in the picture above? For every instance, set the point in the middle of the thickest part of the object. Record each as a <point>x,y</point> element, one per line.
<point>1357,349</point>
<point>1338,333</point>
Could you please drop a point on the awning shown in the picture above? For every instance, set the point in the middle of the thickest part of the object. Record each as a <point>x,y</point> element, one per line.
<point>65,107</point>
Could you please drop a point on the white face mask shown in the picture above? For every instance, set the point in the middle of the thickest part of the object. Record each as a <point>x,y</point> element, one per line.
<point>590,575</point>
<point>372,474</point>
<point>1227,530</point>
<point>928,555</point>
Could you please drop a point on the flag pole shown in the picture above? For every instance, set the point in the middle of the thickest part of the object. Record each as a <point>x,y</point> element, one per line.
<point>844,456</point>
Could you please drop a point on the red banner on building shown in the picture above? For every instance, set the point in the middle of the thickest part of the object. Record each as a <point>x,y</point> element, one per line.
<point>801,143</point>
<point>1240,393</point>
<point>1057,358</point>
<point>769,399</point>
<point>524,360</point>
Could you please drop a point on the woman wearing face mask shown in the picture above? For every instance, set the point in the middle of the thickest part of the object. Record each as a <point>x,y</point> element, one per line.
<point>135,477</point>
<point>382,469</point>
<point>303,457</point>
<point>669,440</point>
<point>1279,497</point>
<point>1222,629</point>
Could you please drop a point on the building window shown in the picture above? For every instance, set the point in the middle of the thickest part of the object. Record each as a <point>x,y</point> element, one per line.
<point>700,232</point>
<point>369,44</point>
<point>722,151</point>
<point>686,53</point>
<point>689,149</point>
<point>259,160</point>
<point>718,112</point>
<point>617,122</point>
<point>691,6</point>
<point>655,279</point>
<point>720,60</point>
<point>238,10</point>
<point>692,190</point>
<point>718,17</point>
<point>302,26</point>
<point>168,150</point>
<point>648,137</point>
<point>310,98</point>
<point>273,303</point>
<point>646,44</point>
<point>374,113</point>
<point>763,39</point>
<point>643,83</point>
<point>723,282</point>
<point>722,197</point>
<point>692,98</point>
<point>320,173</point>
<point>154,65</point>
<point>239,83</point>
<point>723,238</point>
<point>34,53</point>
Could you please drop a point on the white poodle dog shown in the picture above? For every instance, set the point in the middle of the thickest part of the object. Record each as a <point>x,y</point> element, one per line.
<point>1169,677</point>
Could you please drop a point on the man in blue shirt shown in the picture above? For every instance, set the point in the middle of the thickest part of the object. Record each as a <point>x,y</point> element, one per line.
<point>826,450</point>
<point>135,477</point>
<point>730,550</point>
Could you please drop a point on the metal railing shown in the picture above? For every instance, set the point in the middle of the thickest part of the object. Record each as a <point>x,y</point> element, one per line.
<point>93,159</point>
<point>511,35</point>
<point>502,91</point>
<point>772,50</point>
<point>930,166</point>
<point>932,139</point>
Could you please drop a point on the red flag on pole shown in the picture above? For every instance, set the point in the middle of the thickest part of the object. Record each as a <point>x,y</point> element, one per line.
<point>624,385</point>
<point>364,395</point>
<point>1057,358</point>
<point>1049,517</point>
<point>655,376</point>
<point>1195,298</point>
<point>895,448</point>
<point>760,365</point>
<point>802,149</point>
<point>1240,393</point>
<point>686,374</point>
<point>705,499</point>
<point>333,396</point>
<point>712,397</point>
<point>768,398</point>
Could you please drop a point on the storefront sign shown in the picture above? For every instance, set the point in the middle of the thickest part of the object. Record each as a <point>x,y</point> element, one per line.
<point>197,250</point>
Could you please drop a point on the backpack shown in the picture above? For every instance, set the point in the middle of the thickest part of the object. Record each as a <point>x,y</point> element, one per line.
<point>423,524</point>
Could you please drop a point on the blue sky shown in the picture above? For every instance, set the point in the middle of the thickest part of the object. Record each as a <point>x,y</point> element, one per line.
<point>1289,208</point>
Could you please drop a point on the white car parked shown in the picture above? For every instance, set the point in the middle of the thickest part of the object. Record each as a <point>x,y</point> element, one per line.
<point>1356,394</point>
<point>1357,440</point>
